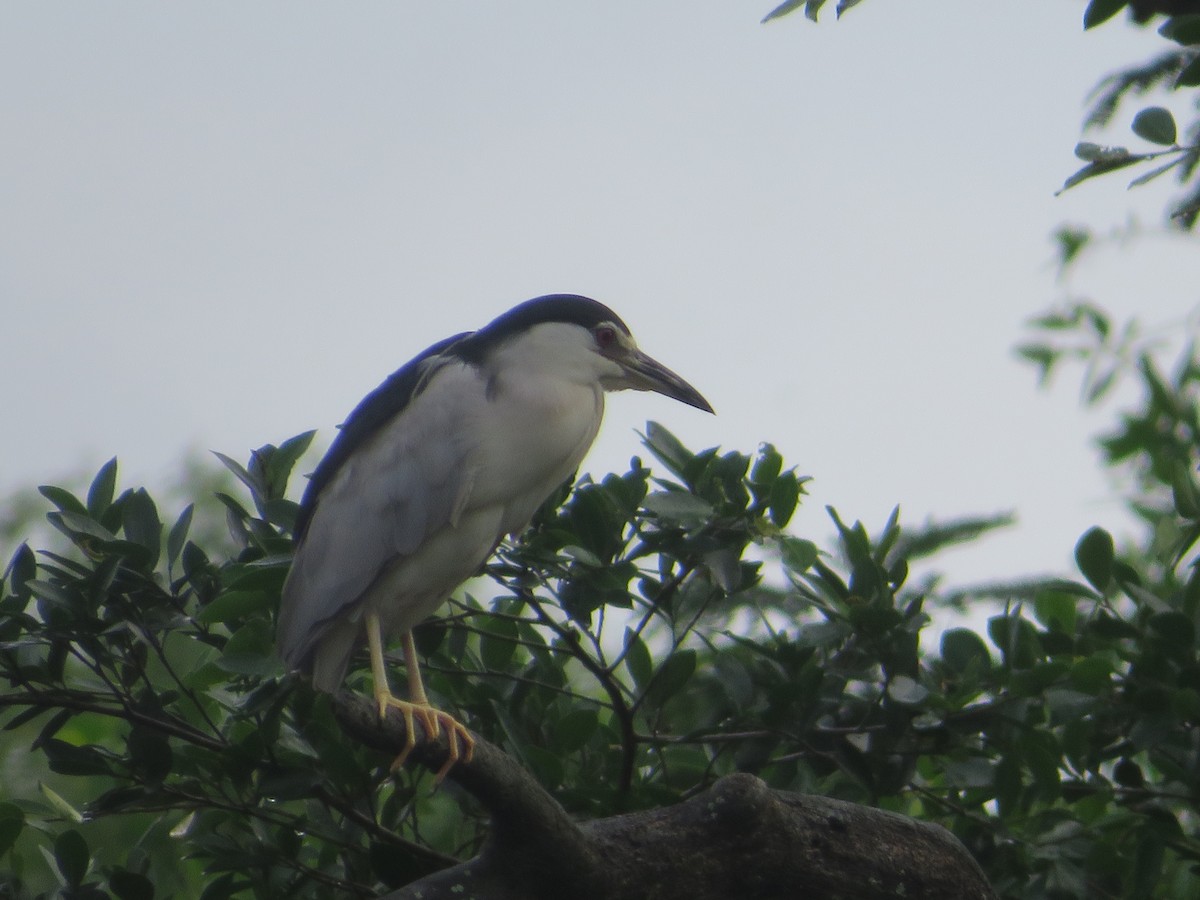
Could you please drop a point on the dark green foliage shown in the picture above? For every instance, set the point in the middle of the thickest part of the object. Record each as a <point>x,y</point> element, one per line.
<point>1100,11</point>
<point>1175,69</point>
<point>1156,125</point>
<point>649,634</point>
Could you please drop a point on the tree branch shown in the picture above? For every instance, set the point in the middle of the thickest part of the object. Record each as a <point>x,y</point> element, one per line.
<point>112,705</point>
<point>737,839</point>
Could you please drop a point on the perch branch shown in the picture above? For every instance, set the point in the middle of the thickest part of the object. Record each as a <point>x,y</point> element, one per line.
<point>739,838</point>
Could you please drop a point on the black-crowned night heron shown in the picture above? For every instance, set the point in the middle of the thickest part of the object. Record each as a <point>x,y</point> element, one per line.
<point>452,452</point>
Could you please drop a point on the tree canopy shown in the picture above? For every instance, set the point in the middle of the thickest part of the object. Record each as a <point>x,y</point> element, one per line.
<point>653,631</point>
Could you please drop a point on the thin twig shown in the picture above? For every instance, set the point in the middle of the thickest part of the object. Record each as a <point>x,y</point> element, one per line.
<point>115,707</point>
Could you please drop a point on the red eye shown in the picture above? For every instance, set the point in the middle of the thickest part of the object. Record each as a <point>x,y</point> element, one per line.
<point>606,336</point>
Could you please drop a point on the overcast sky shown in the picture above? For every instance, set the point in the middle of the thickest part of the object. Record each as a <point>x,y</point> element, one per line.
<point>223,223</point>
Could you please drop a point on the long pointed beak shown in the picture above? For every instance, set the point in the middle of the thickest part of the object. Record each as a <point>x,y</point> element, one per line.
<point>647,374</point>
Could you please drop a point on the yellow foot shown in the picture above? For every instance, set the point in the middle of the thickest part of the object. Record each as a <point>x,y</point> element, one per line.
<point>434,721</point>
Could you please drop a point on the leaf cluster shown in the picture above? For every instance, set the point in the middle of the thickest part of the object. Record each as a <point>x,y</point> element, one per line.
<point>1174,71</point>
<point>649,634</point>
<point>142,672</point>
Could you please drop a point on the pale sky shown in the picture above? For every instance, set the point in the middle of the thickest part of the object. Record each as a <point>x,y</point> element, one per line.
<point>223,223</point>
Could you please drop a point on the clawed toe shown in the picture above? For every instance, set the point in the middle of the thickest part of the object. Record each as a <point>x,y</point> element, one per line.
<point>460,743</point>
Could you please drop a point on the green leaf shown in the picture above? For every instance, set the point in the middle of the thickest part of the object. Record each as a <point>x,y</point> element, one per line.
<point>12,822</point>
<point>1175,631</point>
<point>149,753</point>
<point>1190,76</point>
<point>497,644</point>
<point>255,485</point>
<point>21,571</point>
<point>1042,755</point>
<point>63,499</point>
<point>222,888</point>
<point>127,885</point>
<point>667,448</point>
<point>582,555</point>
<point>1033,681</point>
<point>1092,674</point>
<point>177,536</point>
<point>235,512</point>
<point>392,868</point>
<point>1071,241</point>
<point>1129,774</point>
<point>1155,124</point>
<point>71,855</point>
<point>907,691</point>
<point>1007,781</point>
<point>1094,555</point>
<point>80,525</point>
<point>51,593</point>
<point>68,759</point>
<point>234,606</point>
<point>1100,11</point>
<point>1155,172</point>
<point>1184,491</point>
<point>1185,703</point>
<point>100,494</point>
<point>289,783</point>
<point>1183,29</point>
<point>1101,161</point>
<point>1148,863</point>
<point>673,674</point>
<point>282,460</point>
<point>1110,628</point>
<point>767,466</point>
<point>597,520</point>
<point>1072,588</point>
<point>1055,610</point>
<point>785,495</point>
<point>573,730</point>
<point>637,658</point>
<point>1067,705</point>
<point>65,809</point>
<point>141,523</point>
<point>963,649</point>
<point>1043,357</point>
<point>1017,640</point>
<point>798,554</point>
<point>782,10</point>
<point>822,634</point>
<point>251,651</point>
<point>546,765</point>
<point>973,772</point>
<point>679,507</point>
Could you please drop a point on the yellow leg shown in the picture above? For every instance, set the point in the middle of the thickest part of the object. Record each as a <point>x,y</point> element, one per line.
<point>462,745</point>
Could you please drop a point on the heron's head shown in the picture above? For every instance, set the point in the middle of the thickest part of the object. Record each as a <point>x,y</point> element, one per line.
<point>581,338</point>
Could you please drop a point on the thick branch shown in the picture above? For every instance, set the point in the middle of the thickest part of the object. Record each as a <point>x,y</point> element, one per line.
<point>738,839</point>
<point>529,827</point>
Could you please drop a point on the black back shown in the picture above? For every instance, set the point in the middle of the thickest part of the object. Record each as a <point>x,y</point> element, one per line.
<point>402,386</point>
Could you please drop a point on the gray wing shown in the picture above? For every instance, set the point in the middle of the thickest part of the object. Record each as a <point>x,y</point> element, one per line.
<point>375,411</point>
<point>409,479</point>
